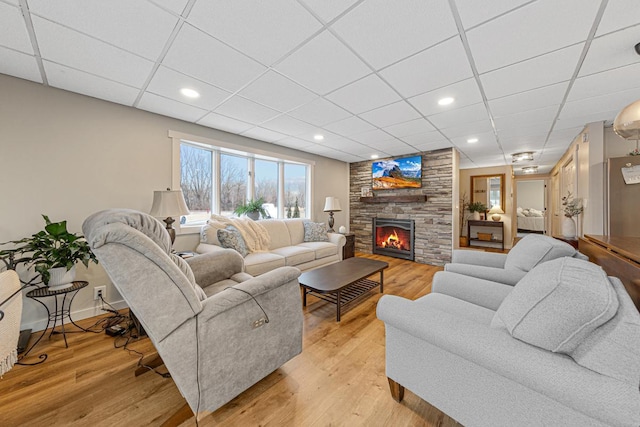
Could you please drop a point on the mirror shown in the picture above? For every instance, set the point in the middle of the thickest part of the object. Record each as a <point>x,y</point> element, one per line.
<point>488,189</point>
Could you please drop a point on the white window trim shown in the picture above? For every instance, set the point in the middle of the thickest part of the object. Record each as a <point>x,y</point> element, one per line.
<point>178,137</point>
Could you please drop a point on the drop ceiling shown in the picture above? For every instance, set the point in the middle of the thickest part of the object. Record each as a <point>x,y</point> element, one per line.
<point>367,74</point>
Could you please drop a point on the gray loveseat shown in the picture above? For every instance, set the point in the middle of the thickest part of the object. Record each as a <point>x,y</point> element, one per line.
<point>561,348</point>
<point>287,247</point>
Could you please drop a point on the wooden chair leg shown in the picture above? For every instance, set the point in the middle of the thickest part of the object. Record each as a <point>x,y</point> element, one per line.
<point>180,416</point>
<point>397,391</point>
<point>154,362</point>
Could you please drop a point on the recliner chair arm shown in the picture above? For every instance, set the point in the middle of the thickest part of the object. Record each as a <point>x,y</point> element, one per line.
<point>487,259</point>
<point>501,275</point>
<point>213,267</point>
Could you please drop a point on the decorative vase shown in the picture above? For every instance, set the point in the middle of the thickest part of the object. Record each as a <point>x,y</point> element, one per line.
<point>342,229</point>
<point>253,215</point>
<point>568,227</point>
<point>60,278</point>
<point>476,216</point>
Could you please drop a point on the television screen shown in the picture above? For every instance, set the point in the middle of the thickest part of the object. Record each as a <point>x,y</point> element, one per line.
<point>404,172</point>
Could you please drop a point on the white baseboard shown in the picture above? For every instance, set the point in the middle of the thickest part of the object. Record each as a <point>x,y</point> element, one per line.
<point>41,324</point>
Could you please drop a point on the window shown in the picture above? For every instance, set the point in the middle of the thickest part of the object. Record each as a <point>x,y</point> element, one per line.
<point>218,178</point>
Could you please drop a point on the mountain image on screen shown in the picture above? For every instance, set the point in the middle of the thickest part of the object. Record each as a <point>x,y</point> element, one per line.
<point>405,172</point>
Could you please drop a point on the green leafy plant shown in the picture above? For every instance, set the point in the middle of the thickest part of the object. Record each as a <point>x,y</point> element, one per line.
<point>253,206</point>
<point>49,248</point>
<point>464,205</point>
<point>477,207</point>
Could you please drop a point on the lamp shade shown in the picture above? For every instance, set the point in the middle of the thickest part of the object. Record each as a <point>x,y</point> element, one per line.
<point>331,204</point>
<point>496,209</point>
<point>627,122</point>
<point>168,203</point>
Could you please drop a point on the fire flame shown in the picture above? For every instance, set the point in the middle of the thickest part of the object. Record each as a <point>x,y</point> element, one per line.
<point>393,241</point>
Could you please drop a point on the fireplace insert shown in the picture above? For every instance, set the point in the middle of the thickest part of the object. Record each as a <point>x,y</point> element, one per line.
<point>393,237</point>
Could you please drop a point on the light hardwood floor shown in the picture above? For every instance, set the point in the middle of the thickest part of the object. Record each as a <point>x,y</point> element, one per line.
<point>338,380</point>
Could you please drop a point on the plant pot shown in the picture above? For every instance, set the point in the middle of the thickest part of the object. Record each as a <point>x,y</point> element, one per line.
<point>464,241</point>
<point>253,215</point>
<point>475,216</point>
<point>568,227</point>
<point>60,278</point>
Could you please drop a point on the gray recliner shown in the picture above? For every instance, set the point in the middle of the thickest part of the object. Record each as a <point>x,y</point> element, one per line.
<point>218,330</point>
<point>509,268</point>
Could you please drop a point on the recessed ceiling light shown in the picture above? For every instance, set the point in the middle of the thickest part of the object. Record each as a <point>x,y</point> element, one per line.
<point>530,169</point>
<point>318,137</point>
<point>524,156</point>
<point>189,93</point>
<point>446,101</point>
<point>374,156</point>
<point>472,140</point>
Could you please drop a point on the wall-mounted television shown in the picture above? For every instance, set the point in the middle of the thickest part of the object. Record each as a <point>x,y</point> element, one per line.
<point>403,172</point>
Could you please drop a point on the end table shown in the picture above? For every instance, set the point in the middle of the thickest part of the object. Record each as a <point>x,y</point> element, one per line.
<point>61,311</point>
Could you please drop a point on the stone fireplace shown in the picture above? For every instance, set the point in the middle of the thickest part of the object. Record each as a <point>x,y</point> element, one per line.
<point>393,237</point>
<point>430,207</point>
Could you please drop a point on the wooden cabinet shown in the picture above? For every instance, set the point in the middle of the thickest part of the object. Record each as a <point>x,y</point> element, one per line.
<point>485,231</point>
<point>349,249</point>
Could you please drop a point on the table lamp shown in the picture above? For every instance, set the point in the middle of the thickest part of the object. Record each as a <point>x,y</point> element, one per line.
<point>495,211</point>
<point>168,204</point>
<point>331,205</point>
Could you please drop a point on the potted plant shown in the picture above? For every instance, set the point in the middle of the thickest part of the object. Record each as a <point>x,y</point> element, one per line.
<point>572,207</point>
<point>464,206</point>
<point>476,208</point>
<point>52,253</point>
<point>253,209</point>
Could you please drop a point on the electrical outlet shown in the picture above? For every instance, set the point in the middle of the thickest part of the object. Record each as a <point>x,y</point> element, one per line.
<point>99,292</point>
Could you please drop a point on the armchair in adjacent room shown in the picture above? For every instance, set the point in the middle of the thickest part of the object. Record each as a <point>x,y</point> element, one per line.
<point>218,330</point>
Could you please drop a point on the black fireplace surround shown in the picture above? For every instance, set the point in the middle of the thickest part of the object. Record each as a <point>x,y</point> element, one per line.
<point>393,237</point>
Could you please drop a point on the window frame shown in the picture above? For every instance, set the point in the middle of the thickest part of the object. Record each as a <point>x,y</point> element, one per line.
<point>217,147</point>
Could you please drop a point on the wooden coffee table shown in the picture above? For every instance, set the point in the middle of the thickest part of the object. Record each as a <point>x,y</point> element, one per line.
<point>342,283</point>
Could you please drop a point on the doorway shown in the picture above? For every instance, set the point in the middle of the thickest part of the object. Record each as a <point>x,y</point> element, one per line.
<point>531,211</point>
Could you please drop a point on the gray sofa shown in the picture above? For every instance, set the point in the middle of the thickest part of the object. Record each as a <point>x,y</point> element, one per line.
<point>562,347</point>
<point>287,247</point>
<point>530,251</point>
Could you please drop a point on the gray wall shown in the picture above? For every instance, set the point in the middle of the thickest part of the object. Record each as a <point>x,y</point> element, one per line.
<point>68,155</point>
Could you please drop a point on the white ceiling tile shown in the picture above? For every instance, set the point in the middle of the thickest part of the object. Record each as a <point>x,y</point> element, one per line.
<point>469,114</point>
<point>431,146</point>
<point>335,142</point>
<point>314,65</point>
<point>19,64</point>
<point>520,133</point>
<point>137,26</point>
<point>539,115</point>
<point>357,149</point>
<point>288,125</point>
<point>384,32</point>
<point>263,30</point>
<point>278,92</point>
<point>169,107</point>
<point>13,2</point>
<point>13,31</point>
<point>347,158</point>
<point>364,95</point>
<point>423,138</point>
<point>615,101</point>
<point>371,136</point>
<point>534,73</point>
<point>615,80</point>
<point>400,149</point>
<point>263,134</point>
<point>387,146</point>
<point>391,114</point>
<point>320,112</point>
<point>349,126</point>
<point>473,12</point>
<point>328,9</point>
<point>612,51</point>
<point>227,124</point>
<point>571,122</point>
<point>330,138</point>
<point>291,142</point>
<point>167,83</point>
<point>619,14</point>
<point>465,93</point>
<point>221,66</point>
<point>411,127</point>
<point>63,46</point>
<point>426,71</point>
<point>485,139</point>
<point>246,111</point>
<point>468,129</point>
<point>529,100</point>
<point>87,84</point>
<point>175,6</point>
<point>519,35</point>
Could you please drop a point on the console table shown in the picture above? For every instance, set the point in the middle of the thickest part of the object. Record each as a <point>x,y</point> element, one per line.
<point>492,224</point>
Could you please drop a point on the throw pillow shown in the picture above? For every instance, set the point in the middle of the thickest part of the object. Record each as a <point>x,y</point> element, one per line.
<point>231,238</point>
<point>209,232</point>
<point>535,249</point>
<point>557,304</point>
<point>315,232</point>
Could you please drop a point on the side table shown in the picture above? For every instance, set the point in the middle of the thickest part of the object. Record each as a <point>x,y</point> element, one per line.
<point>61,311</point>
<point>349,248</point>
<point>573,241</point>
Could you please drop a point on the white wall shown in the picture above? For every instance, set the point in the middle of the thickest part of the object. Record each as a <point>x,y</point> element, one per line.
<point>530,194</point>
<point>68,155</point>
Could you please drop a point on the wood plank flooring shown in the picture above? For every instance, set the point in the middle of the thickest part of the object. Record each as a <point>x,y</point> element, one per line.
<point>338,380</point>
